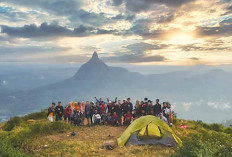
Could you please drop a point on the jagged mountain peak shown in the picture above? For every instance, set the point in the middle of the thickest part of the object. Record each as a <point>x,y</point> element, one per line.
<point>95,55</point>
<point>93,67</point>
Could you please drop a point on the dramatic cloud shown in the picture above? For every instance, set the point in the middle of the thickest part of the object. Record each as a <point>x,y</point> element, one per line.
<point>138,58</point>
<point>117,2</point>
<point>141,47</point>
<point>58,7</point>
<point>224,29</point>
<point>145,5</point>
<point>173,32</point>
<point>136,53</point>
<point>5,50</point>
<point>52,30</point>
<point>194,58</point>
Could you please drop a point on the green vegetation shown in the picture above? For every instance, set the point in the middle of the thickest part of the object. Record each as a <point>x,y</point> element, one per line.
<point>33,135</point>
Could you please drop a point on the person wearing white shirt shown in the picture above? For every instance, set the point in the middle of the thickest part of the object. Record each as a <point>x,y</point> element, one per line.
<point>96,118</point>
<point>168,113</point>
<point>163,118</point>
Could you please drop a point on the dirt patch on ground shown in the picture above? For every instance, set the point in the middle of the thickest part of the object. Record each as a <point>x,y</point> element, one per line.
<point>88,141</point>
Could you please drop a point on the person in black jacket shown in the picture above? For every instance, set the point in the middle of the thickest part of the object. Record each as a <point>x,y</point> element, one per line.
<point>109,108</point>
<point>97,108</point>
<point>157,108</point>
<point>76,117</point>
<point>112,101</point>
<point>124,107</point>
<point>59,111</point>
<point>91,112</point>
<point>150,108</point>
<point>129,105</point>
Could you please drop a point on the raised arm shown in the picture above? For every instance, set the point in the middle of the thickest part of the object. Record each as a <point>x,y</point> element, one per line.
<point>116,99</point>
<point>98,101</point>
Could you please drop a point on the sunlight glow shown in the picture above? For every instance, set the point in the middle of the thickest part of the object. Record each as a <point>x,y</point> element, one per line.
<point>181,39</point>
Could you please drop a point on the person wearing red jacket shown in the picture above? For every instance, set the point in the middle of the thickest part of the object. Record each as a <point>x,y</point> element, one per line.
<point>128,117</point>
<point>67,114</point>
<point>115,121</point>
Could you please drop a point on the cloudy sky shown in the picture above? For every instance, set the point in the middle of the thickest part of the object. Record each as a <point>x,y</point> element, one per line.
<point>159,32</point>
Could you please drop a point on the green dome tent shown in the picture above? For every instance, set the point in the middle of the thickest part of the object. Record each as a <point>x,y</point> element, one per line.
<point>148,130</point>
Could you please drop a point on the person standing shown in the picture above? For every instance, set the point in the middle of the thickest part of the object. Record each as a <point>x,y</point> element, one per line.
<point>123,110</point>
<point>164,108</point>
<point>76,117</point>
<point>78,107</point>
<point>59,111</point>
<point>82,113</point>
<point>137,104</point>
<point>51,110</point>
<point>91,111</point>
<point>168,113</point>
<point>129,105</point>
<point>118,111</point>
<point>150,108</point>
<point>143,109</point>
<point>67,113</point>
<point>157,108</point>
<point>109,108</point>
<point>87,112</point>
<point>97,107</point>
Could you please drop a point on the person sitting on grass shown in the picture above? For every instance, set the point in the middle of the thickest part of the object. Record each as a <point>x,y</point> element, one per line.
<point>96,118</point>
<point>135,115</point>
<point>76,117</point>
<point>128,118</point>
<point>51,110</point>
<point>103,117</point>
<point>143,113</point>
<point>162,117</point>
<point>108,119</point>
<point>115,121</point>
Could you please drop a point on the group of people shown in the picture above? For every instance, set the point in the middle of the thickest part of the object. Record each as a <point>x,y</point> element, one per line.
<point>110,113</point>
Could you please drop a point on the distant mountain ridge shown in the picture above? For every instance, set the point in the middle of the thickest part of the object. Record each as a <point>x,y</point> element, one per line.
<point>95,78</point>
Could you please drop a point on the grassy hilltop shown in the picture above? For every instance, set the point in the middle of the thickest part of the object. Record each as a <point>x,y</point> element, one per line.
<point>33,135</point>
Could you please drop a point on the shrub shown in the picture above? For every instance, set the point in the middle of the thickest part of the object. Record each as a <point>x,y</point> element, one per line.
<point>15,121</point>
<point>49,128</point>
<point>206,144</point>
<point>228,131</point>
<point>7,149</point>
<point>13,143</point>
<point>216,127</point>
<point>36,115</point>
<point>206,126</point>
